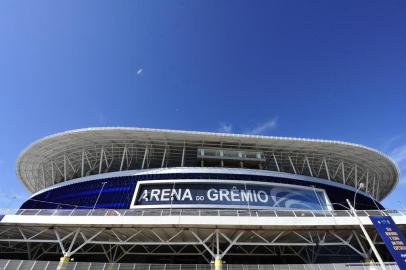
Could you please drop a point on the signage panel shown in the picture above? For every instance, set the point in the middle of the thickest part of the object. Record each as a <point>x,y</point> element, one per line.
<point>392,237</point>
<point>226,194</point>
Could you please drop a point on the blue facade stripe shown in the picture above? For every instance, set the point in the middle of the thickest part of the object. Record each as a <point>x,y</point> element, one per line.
<point>118,191</point>
<point>93,192</point>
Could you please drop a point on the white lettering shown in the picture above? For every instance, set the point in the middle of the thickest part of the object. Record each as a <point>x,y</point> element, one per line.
<point>255,195</point>
<point>246,195</point>
<point>262,196</point>
<point>175,196</point>
<point>155,194</point>
<point>144,196</point>
<point>212,194</point>
<point>224,194</point>
<point>235,195</point>
<point>165,194</point>
<point>187,195</point>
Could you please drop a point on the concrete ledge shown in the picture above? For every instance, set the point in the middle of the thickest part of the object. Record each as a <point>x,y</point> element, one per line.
<point>194,221</point>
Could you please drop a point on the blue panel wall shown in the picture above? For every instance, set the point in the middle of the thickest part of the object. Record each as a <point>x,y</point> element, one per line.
<point>117,192</point>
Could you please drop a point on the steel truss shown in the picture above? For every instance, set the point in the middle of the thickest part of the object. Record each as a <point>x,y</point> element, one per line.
<point>115,244</point>
<point>97,159</point>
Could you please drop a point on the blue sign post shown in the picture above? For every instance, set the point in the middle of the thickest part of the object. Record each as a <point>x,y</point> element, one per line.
<point>392,237</point>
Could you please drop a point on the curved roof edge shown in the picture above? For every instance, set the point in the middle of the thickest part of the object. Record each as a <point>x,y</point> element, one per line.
<point>195,134</point>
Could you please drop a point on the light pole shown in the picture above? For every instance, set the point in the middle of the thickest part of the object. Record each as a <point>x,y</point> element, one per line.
<point>361,185</point>
<point>371,243</point>
<point>340,204</point>
<point>248,201</point>
<point>172,192</point>
<point>98,196</point>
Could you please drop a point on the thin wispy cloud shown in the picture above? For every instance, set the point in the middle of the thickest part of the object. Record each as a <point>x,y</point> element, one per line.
<point>398,154</point>
<point>390,143</point>
<point>264,127</point>
<point>225,128</point>
<point>140,71</point>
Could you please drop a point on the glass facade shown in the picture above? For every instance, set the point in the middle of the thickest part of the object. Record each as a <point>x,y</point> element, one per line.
<point>118,192</point>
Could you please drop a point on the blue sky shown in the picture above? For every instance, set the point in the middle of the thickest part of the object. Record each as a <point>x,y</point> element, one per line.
<point>317,69</point>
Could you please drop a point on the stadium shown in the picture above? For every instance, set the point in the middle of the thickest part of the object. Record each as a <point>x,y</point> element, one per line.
<point>135,198</point>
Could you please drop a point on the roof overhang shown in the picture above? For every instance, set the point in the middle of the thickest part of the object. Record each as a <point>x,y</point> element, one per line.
<point>30,164</point>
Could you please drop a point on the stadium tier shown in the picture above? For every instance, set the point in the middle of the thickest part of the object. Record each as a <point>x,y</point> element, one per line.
<point>149,195</point>
<point>76,168</point>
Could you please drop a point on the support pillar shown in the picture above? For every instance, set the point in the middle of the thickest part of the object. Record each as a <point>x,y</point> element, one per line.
<point>62,262</point>
<point>218,263</point>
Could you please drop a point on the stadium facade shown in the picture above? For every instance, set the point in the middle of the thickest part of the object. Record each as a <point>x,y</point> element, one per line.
<point>164,196</point>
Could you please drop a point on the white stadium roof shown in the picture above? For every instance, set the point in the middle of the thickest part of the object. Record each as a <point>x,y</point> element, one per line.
<point>77,153</point>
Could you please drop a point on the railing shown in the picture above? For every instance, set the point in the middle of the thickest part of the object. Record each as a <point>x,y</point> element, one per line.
<point>53,265</point>
<point>198,212</point>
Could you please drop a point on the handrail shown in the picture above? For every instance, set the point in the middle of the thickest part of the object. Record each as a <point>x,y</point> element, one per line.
<point>53,265</point>
<point>199,212</point>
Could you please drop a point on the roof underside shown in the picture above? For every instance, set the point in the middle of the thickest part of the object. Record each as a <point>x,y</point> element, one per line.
<point>78,153</point>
